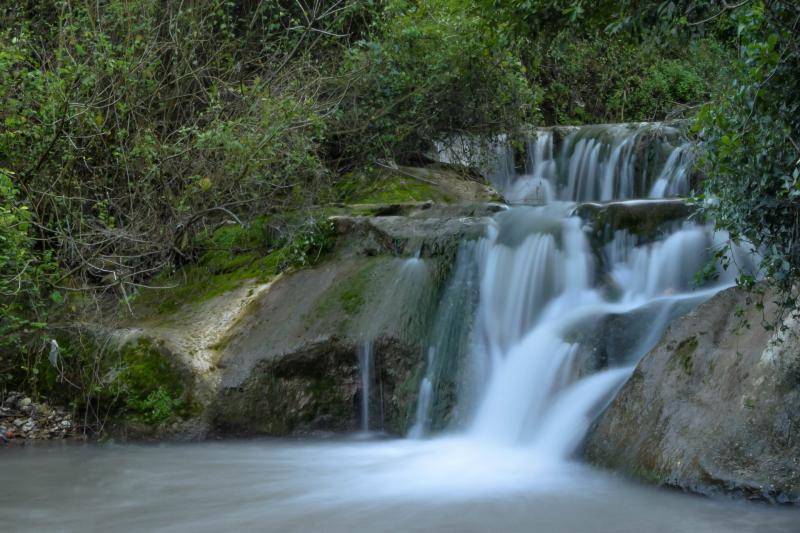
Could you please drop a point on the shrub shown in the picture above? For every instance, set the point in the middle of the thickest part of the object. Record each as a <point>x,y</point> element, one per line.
<point>23,289</point>
<point>750,144</point>
<point>434,68</point>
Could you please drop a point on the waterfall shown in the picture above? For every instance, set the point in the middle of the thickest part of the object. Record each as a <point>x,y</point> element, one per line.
<point>424,401</point>
<point>529,374</point>
<point>449,340</point>
<point>594,163</point>
<point>365,367</point>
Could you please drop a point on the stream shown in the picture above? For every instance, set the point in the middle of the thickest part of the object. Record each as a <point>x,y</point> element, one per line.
<point>445,484</point>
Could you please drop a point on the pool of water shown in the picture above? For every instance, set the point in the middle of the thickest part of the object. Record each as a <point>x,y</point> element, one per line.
<point>445,484</point>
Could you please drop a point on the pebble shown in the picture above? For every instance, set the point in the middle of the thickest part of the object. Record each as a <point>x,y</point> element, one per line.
<point>40,421</point>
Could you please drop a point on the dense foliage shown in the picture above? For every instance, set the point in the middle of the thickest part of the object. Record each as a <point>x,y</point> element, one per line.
<point>435,67</point>
<point>21,278</point>
<point>751,142</point>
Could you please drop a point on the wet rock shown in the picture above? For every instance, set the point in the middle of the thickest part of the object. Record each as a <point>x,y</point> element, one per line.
<point>318,388</point>
<point>713,408</point>
<point>430,232</point>
<point>646,219</point>
<point>282,357</point>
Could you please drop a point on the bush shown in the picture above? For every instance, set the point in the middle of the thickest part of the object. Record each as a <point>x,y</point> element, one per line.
<point>610,79</point>
<point>131,124</point>
<point>750,144</point>
<point>23,289</point>
<point>433,68</point>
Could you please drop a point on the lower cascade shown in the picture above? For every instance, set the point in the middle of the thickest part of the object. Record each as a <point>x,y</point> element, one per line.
<point>532,367</point>
<point>528,373</point>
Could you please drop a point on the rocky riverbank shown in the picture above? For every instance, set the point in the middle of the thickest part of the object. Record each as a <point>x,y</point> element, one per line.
<point>22,420</point>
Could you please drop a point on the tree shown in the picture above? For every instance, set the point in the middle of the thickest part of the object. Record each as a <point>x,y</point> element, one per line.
<point>750,143</point>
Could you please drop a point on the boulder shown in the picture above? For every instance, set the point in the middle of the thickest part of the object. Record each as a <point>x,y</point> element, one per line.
<point>714,408</point>
<point>646,219</point>
<point>283,357</point>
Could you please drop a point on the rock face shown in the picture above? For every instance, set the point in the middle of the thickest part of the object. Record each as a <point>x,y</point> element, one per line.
<point>292,365</point>
<point>713,408</point>
<point>644,218</point>
<point>283,358</point>
<point>317,388</point>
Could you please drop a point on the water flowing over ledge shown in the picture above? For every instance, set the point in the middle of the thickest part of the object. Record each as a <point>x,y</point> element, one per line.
<point>580,164</point>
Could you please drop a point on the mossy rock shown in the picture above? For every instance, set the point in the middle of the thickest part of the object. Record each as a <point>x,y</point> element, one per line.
<point>683,357</point>
<point>233,255</point>
<point>646,219</point>
<point>435,183</point>
<point>145,386</point>
<point>345,299</point>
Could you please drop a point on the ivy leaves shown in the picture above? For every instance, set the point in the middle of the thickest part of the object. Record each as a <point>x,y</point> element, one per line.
<point>750,141</point>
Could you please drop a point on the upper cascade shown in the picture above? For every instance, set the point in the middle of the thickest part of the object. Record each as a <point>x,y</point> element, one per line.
<point>595,163</point>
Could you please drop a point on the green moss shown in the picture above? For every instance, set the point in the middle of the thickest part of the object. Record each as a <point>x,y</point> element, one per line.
<point>346,298</point>
<point>327,399</point>
<point>146,387</point>
<point>352,297</point>
<point>234,254</point>
<point>649,475</point>
<point>375,187</point>
<point>399,190</point>
<point>683,355</point>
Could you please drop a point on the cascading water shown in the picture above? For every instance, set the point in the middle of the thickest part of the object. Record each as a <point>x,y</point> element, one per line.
<point>412,282</point>
<point>539,324</point>
<point>593,163</point>
<point>449,340</point>
<point>542,286</point>
<point>365,367</point>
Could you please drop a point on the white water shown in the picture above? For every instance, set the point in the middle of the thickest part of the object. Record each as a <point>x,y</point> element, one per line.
<point>595,163</point>
<point>530,382</point>
<point>537,288</point>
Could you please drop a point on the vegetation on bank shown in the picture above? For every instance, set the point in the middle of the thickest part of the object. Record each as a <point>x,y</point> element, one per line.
<point>150,151</point>
<point>750,143</point>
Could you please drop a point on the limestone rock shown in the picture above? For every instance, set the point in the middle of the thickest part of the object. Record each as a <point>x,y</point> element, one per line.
<point>713,408</point>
